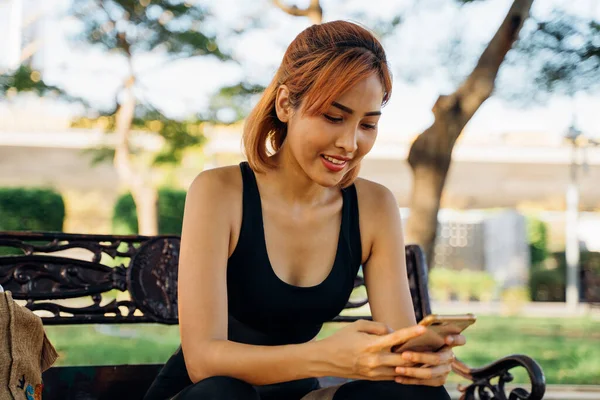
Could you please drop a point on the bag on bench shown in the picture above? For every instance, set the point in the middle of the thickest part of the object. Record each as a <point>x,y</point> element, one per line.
<point>25,351</point>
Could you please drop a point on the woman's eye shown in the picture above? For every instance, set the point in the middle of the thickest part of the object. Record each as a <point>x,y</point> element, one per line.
<point>333,119</point>
<point>369,126</point>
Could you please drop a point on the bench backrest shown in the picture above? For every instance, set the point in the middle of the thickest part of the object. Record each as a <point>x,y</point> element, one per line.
<point>50,270</point>
<point>46,268</point>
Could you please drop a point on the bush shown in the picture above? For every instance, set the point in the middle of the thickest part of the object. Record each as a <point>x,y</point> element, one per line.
<point>483,286</point>
<point>124,221</point>
<point>170,210</point>
<point>465,285</point>
<point>514,298</point>
<point>537,235</point>
<point>24,209</point>
<point>590,263</point>
<point>548,280</point>
<point>171,203</point>
<point>441,283</point>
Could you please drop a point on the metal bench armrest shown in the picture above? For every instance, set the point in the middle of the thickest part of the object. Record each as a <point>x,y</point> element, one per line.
<point>482,378</point>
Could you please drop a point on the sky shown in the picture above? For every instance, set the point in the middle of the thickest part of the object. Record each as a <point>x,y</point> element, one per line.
<point>413,47</point>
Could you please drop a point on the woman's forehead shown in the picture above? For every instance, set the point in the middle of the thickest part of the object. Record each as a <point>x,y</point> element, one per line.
<point>365,96</point>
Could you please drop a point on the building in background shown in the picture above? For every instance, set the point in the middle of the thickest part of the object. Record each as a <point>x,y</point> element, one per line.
<point>492,241</point>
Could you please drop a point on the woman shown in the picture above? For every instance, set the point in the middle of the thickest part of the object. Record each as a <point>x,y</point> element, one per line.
<point>270,249</point>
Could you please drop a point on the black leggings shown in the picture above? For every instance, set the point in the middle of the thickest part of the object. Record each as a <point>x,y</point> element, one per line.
<point>221,388</point>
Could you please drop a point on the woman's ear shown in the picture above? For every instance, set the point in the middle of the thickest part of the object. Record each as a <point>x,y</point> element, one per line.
<point>282,104</point>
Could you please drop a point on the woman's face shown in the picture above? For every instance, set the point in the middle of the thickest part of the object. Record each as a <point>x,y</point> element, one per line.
<point>327,146</point>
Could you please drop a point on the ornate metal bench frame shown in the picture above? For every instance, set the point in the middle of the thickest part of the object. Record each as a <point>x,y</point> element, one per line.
<point>146,267</point>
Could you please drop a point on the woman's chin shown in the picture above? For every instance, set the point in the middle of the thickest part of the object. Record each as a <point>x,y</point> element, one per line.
<point>325,177</point>
<point>328,180</point>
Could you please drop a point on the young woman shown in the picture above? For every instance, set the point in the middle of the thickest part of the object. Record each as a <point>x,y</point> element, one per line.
<point>270,248</point>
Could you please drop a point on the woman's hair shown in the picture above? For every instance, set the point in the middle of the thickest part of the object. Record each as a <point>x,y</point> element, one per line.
<point>318,66</point>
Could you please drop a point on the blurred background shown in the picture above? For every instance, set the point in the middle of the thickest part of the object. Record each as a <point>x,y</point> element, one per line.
<point>109,109</point>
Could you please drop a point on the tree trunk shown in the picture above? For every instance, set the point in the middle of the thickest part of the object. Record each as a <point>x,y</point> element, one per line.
<point>431,152</point>
<point>144,195</point>
<point>313,11</point>
<point>146,202</point>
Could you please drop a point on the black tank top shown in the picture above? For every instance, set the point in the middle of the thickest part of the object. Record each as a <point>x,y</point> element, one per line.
<point>263,309</point>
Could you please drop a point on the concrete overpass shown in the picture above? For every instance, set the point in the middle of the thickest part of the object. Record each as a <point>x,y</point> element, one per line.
<point>482,175</point>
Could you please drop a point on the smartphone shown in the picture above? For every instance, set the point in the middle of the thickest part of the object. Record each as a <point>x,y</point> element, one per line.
<point>438,327</point>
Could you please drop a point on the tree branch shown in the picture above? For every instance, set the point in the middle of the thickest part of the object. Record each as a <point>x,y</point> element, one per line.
<point>120,36</point>
<point>479,86</point>
<point>314,11</point>
<point>292,10</point>
<point>30,49</point>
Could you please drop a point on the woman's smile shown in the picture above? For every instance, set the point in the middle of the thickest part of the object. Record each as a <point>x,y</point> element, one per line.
<point>334,164</point>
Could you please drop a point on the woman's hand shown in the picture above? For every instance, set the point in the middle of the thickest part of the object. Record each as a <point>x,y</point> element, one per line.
<point>362,350</point>
<point>435,366</point>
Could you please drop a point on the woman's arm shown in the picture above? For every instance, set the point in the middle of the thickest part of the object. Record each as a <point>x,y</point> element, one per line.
<point>202,291</point>
<point>387,285</point>
<point>386,279</point>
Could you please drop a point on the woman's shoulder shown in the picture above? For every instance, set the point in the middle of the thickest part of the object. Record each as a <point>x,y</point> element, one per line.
<point>373,196</point>
<point>222,183</point>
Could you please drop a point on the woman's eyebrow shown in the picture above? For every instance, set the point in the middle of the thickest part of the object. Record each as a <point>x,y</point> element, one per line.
<point>351,111</point>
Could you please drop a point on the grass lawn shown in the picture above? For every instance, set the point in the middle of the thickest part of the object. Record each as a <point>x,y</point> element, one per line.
<point>567,349</point>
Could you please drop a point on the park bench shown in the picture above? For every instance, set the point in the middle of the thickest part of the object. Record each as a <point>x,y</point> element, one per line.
<point>49,271</point>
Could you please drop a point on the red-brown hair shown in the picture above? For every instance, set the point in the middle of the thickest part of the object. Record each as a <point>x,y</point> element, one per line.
<point>318,66</point>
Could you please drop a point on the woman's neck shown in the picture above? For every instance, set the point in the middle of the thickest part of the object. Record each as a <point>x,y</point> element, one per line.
<point>293,185</point>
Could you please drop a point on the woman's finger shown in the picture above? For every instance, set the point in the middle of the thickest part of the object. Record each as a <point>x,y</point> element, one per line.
<point>389,359</point>
<point>425,373</point>
<point>455,340</point>
<point>400,336</point>
<point>381,374</point>
<point>429,358</point>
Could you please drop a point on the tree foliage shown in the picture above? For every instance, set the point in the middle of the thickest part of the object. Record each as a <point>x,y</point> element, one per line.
<point>171,29</point>
<point>140,26</point>
<point>563,52</point>
<point>177,135</point>
<point>557,54</point>
<point>25,79</point>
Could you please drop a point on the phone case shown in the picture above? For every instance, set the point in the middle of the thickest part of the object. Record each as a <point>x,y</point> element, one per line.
<point>438,327</point>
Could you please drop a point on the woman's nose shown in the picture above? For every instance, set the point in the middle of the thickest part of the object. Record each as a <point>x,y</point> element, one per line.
<point>348,140</point>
